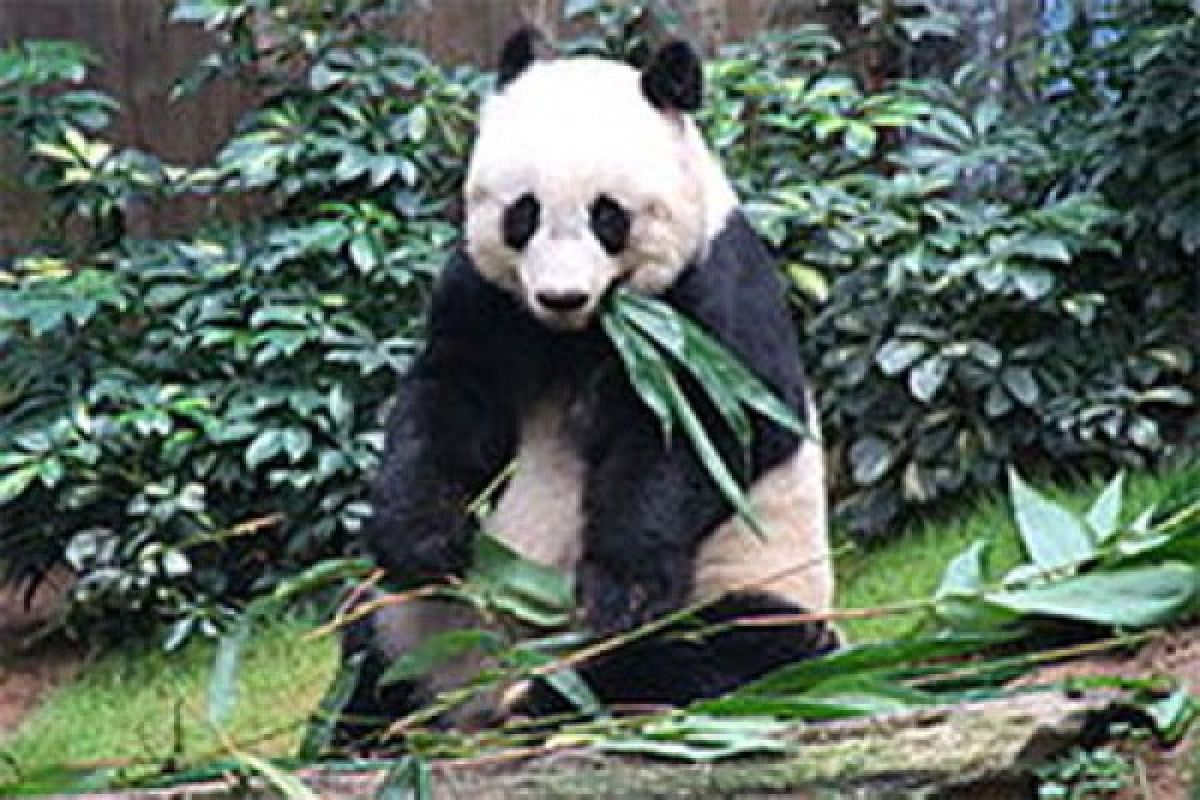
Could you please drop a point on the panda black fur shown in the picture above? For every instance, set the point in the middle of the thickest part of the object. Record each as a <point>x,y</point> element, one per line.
<point>587,174</point>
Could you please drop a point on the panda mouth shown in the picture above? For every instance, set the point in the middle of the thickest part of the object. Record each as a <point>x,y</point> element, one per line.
<point>570,311</point>
<point>566,321</point>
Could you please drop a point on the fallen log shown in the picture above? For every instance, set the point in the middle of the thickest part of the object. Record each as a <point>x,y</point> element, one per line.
<point>986,749</point>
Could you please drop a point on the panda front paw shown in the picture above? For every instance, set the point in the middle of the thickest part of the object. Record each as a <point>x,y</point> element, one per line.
<point>417,560</point>
<point>617,598</point>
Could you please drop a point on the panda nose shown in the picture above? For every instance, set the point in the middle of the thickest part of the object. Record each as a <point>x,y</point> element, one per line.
<point>562,301</point>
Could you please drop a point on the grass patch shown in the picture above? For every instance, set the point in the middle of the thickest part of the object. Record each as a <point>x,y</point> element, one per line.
<point>146,705</point>
<point>910,566</point>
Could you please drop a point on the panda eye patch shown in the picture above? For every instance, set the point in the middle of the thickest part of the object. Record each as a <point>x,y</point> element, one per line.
<point>610,223</point>
<point>520,221</point>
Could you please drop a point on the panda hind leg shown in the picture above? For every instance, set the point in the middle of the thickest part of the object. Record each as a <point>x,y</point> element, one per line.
<point>684,664</point>
<point>370,706</point>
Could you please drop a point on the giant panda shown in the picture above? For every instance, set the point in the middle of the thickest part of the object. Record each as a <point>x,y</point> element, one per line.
<point>588,174</point>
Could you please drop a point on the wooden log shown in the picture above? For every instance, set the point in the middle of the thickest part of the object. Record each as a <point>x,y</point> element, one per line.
<point>986,749</point>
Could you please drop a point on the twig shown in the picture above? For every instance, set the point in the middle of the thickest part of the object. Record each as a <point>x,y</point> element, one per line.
<point>246,528</point>
<point>485,495</point>
<point>371,606</point>
<point>665,621</point>
<point>360,588</point>
<point>783,620</point>
<point>514,754</point>
<point>1044,656</point>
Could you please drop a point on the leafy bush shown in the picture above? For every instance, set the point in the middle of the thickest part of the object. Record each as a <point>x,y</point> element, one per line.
<point>971,301</point>
<point>979,281</point>
<point>188,419</point>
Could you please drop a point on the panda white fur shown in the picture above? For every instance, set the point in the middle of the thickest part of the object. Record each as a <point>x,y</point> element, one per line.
<point>586,174</point>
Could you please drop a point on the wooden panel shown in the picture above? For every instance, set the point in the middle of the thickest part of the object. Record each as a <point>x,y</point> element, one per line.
<point>142,54</point>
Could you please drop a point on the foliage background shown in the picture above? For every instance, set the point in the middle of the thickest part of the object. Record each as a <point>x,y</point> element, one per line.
<point>990,265</point>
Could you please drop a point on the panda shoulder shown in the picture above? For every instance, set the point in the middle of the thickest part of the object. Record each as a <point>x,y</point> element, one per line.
<point>734,263</point>
<point>463,301</point>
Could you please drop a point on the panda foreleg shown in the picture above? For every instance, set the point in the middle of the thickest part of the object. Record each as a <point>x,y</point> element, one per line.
<point>647,505</point>
<point>450,432</point>
<point>684,663</point>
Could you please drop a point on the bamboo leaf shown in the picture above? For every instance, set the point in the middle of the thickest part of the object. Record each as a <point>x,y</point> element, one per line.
<point>644,368</point>
<point>322,574</point>
<point>868,657</point>
<point>287,784</point>
<point>575,690</point>
<point>436,650</point>
<point>222,685</point>
<point>1128,598</point>
<point>709,457</point>
<point>713,376</point>
<point>1105,513</point>
<point>700,739</point>
<point>1172,715</point>
<point>1053,536</point>
<point>531,592</point>
<point>964,574</point>
<point>635,324</point>
<point>697,349</point>
<point>324,720</point>
<point>407,779</point>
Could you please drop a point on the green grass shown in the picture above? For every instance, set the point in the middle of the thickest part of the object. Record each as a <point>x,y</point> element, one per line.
<point>144,705</point>
<point>910,566</point>
<point>125,705</point>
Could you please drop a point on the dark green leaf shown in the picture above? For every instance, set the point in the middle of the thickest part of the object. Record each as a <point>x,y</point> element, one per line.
<point>1021,384</point>
<point>14,483</point>
<point>897,355</point>
<point>871,457</point>
<point>927,378</point>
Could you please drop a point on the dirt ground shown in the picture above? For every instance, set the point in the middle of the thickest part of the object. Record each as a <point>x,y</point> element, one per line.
<point>1166,773</point>
<point>28,671</point>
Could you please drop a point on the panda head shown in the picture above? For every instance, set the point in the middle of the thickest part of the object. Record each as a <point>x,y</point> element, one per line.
<point>587,173</point>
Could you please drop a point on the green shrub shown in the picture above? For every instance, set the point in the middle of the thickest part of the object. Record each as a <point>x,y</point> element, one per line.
<point>188,419</point>
<point>971,303</point>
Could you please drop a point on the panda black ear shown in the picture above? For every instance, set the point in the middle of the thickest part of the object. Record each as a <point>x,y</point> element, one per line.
<point>674,81</point>
<point>517,53</point>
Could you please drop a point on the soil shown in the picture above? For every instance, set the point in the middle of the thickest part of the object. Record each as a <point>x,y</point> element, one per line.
<point>30,666</point>
<point>1166,773</point>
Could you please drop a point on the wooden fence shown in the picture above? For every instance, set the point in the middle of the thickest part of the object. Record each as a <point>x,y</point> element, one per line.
<point>142,53</point>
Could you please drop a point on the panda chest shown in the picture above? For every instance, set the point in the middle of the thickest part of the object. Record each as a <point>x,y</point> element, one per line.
<point>540,513</point>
